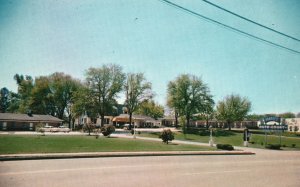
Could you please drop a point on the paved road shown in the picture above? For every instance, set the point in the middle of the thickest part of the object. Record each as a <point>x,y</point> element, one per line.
<point>266,168</point>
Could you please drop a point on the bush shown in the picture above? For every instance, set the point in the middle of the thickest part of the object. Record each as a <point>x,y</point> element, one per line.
<point>88,128</point>
<point>273,146</point>
<point>204,133</point>
<point>220,132</point>
<point>293,145</point>
<point>39,128</point>
<point>225,147</point>
<point>107,130</point>
<point>166,136</point>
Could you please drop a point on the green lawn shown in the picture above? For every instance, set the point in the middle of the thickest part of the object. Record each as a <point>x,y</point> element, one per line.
<point>13,144</point>
<point>236,139</point>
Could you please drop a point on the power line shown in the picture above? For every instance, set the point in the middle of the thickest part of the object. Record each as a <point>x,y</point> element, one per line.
<point>228,27</point>
<point>254,22</point>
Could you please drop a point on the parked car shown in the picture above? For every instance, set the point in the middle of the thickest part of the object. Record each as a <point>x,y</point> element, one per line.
<point>126,127</point>
<point>47,128</point>
<point>63,129</point>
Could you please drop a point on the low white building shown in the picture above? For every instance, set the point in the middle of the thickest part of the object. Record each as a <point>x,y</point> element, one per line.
<point>293,124</point>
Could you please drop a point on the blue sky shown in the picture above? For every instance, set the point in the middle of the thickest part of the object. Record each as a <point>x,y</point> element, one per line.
<point>45,36</point>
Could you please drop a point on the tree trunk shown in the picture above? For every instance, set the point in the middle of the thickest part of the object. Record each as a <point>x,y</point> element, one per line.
<point>187,124</point>
<point>102,120</point>
<point>130,120</point>
<point>229,125</point>
<point>89,129</point>
<point>70,120</point>
<point>207,127</point>
<point>176,119</point>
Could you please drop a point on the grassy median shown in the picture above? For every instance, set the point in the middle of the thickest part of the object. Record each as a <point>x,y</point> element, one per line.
<point>15,144</point>
<point>236,139</point>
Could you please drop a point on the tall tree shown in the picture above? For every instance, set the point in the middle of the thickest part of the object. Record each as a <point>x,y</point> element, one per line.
<point>150,108</point>
<point>25,86</point>
<point>137,90</point>
<point>41,100</point>
<point>53,95</point>
<point>189,95</point>
<point>233,108</point>
<point>103,85</point>
<point>171,105</point>
<point>63,87</point>
<point>208,111</point>
<point>14,102</point>
<point>4,99</point>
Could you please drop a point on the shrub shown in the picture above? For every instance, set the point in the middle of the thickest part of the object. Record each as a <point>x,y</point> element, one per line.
<point>39,128</point>
<point>204,133</point>
<point>107,130</point>
<point>88,128</point>
<point>293,145</point>
<point>166,136</point>
<point>220,132</point>
<point>225,147</point>
<point>273,146</point>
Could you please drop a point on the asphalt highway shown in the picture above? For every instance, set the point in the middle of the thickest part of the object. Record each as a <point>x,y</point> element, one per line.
<point>266,168</point>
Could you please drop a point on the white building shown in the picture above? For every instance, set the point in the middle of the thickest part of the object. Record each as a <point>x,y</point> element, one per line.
<point>293,124</point>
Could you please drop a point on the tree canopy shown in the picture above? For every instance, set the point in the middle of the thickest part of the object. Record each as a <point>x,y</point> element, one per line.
<point>137,90</point>
<point>233,108</point>
<point>150,108</point>
<point>103,85</point>
<point>4,99</point>
<point>188,95</point>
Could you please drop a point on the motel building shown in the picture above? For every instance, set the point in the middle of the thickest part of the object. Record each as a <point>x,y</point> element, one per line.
<point>26,122</point>
<point>293,124</point>
<point>120,121</point>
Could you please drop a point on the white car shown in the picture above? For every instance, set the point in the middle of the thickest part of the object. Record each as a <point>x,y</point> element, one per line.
<point>63,129</point>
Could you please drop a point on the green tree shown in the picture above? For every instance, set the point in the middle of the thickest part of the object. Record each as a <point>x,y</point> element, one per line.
<point>103,85</point>
<point>25,86</point>
<point>63,87</point>
<point>189,95</point>
<point>173,109</point>
<point>137,90</point>
<point>255,117</point>
<point>41,100</point>
<point>4,99</point>
<point>53,95</point>
<point>150,108</point>
<point>83,104</point>
<point>287,115</point>
<point>233,108</point>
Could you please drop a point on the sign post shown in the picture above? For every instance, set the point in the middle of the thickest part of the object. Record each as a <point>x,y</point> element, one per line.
<point>279,127</point>
<point>246,137</point>
<point>211,141</point>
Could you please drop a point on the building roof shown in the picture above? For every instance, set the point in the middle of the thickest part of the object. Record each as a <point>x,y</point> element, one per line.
<point>125,117</point>
<point>27,118</point>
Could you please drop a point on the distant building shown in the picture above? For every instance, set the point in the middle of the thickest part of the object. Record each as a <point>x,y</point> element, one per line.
<point>139,121</point>
<point>84,119</point>
<point>26,122</point>
<point>293,124</point>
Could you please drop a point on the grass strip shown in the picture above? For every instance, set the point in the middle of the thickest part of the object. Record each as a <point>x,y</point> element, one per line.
<point>17,144</point>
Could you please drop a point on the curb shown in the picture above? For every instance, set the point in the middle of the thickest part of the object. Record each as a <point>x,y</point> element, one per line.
<point>13,157</point>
